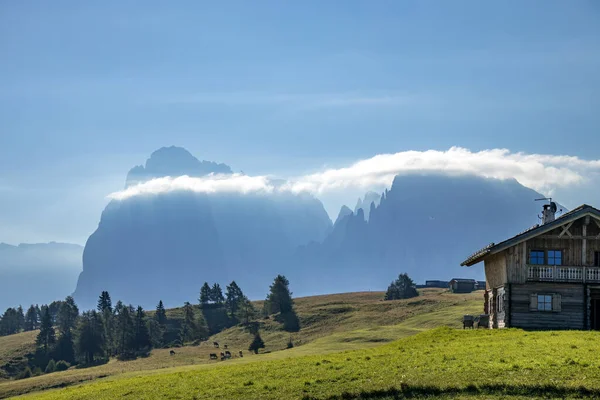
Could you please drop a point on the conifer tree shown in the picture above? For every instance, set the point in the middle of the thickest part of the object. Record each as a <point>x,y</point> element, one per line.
<point>20,319</point>
<point>47,337</point>
<point>142,336</point>
<point>246,310</point>
<point>401,288</point>
<point>257,343</point>
<point>188,326</point>
<point>124,329</point>
<point>216,294</point>
<point>31,319</point>
<point>66,317</point>
<point>9,323</point>
<point>205,294</point>
<point>66,320</point>
<point>104,302</point>
<point>90,337</point>
<point>161,314</point>
<point>233,298</point>
<point>279,298</point>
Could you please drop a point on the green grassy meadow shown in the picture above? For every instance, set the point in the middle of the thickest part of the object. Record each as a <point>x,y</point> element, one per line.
<point>440,362</point>
<point>330,323</point>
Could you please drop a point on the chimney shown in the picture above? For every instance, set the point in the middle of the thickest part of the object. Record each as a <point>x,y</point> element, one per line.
<point>548,212</point>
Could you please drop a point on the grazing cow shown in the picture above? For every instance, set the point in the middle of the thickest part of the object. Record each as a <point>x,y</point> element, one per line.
<point>241,354</point>
<point>227,354</point>
<point>222,356</point>
<point>213,356</point>
<point>172,352</point>
<point>225,346</point>
<point>216,344</point>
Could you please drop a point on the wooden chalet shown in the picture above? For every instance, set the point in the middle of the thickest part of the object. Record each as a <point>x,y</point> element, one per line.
<point>547,277</point>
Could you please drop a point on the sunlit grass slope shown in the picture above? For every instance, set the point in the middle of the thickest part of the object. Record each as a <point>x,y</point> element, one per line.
<point>14,350</point>
<point>443,361</point>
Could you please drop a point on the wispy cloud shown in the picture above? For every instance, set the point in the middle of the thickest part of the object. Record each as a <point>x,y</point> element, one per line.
<point>235,183</point>
<point>541,172</point>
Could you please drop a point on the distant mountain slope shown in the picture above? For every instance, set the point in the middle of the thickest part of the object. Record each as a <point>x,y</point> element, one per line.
<point>165,246</point>
<point>37,273</point>
<point>425,225</point>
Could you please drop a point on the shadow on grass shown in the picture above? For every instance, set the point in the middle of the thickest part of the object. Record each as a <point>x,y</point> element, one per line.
<point>408,391</point>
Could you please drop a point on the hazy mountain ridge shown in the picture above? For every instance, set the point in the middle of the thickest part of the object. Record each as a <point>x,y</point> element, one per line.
<point>37,272</point>
<point>425,225</point>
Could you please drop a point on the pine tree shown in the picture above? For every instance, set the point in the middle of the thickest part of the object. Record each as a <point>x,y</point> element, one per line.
<point>90,337</point>
<point>156,332</point>
<point>20,319</point>
<point>188,326</point>
<point>54,307</point>
<point>205,294</point>
<point>161,314</point>
<point>104,302</point>
<point>142,336</point>
<point>65,348</point>
<point>233,298</point>
<point>9,324</point>
<point>124,329</point>
<point>257,343</point>
<point>31,319</point>
<point>279,298</point>
<point>246,310</point>
<point>47,337</point>
<point>401,288</point>
<point>216,294</point>
<point>66,317</point>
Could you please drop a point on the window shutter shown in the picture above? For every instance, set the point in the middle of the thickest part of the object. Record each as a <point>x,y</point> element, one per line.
<point>556,302</point>
<point>533,306</point>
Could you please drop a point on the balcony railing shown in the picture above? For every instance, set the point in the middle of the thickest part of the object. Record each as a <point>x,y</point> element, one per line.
<point>562,273</point>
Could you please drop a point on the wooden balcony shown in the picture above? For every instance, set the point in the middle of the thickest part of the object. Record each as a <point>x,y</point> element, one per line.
<point>562,273</point>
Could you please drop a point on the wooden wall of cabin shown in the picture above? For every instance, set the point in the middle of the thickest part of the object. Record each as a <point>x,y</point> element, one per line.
<point>572,311</point>
<point>495,270</point>
<point>517,257</point>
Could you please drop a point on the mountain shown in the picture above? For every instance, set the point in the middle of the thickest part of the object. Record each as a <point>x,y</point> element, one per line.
<point>425,226</point>
<point>37,273</point>
<point>173,161</point>
<point>344,212</point>
<point>365,203</point>
<point>164,246</point>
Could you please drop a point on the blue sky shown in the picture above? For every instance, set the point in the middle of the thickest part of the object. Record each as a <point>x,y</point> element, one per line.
<point>89,89</point>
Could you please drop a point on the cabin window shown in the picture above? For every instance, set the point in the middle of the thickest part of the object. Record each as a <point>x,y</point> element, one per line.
<point>597,258</point>
<point>544,302</point>
<point>536,257</point>
<point>554,257</point>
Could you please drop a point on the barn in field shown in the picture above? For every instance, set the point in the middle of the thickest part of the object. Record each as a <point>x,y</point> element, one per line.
<point>547,277</point>
<point>459,285</point>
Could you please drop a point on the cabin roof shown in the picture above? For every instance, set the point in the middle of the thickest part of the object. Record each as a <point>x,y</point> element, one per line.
<point>534,231</point>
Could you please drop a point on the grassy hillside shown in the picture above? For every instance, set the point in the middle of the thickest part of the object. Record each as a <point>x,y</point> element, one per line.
<point>330,323</point>
<point>443,361</point>
<point>13,352</point>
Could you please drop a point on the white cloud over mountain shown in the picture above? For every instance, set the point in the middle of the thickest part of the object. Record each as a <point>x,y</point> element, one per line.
<point>542,172</point>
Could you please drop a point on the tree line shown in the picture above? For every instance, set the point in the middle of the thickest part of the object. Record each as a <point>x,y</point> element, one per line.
<point>67,337</point>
